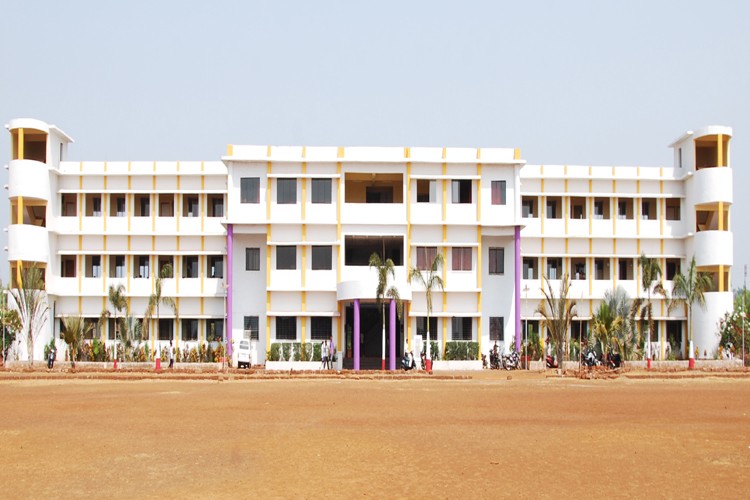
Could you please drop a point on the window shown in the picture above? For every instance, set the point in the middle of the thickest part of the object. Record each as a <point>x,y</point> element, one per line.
<point>554,268</point>
<point>214,330</point>
<point>422,327</point>
<point>166,205</point>
<point>117,205</point>
<point>250,190</point>
<point>93,266</point>
<point>648,209</point>
<point>528,207</point>
<point>673,268</point>
<point>286,257</point>
<point>426,191</point>
<point>286,328</point>
<point>165,329</point>
<point>190,205</point>
<point>577,208</point>
<point>141,266</point>
<point>498,192</point>
<point>496,328</point>
<point>69,205</point>
<point>320,327</point>
<point>425,257</point>
<point>215,266</point>
<point>553,207</point>
<point>578,264</point>
<point>251,329</point>
<point>92,327</point>
<point>68,266</point>
<point>190,266</point>
<point>189,329</point>
<point>252,259</point>
<point>497,260</point>
<point>624,209</point>
<point>461,328</point>
<point>624,269</point>
<point>215,205</point>
<point>166,266</point>
<point>93,205</point>
<point>321,190</point>
<point>679,157</point>
<point>286,191</point>
<point>116,266</point>
<point>142,205</point>
<point>461,258</point>
<point>673,209</point>
<point>529,268</point>
<point>461,191</point>
<point>111,331</point>
<point>321,257</point>
<point>601,208</point>
<point>601,269</point>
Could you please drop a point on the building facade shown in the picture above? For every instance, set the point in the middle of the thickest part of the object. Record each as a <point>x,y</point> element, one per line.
<point>273,243</point>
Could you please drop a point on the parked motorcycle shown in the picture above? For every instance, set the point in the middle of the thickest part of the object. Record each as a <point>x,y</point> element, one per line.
<point>589,358</point>
<point>407,362</point>
<point>551,361</point>
<point>614,360</point>
<point>511,361</point>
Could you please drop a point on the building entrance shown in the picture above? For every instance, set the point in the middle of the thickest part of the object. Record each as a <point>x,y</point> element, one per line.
<point>371,333</point>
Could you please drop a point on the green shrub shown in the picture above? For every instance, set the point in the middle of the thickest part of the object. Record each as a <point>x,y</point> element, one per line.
<point>461,350</point>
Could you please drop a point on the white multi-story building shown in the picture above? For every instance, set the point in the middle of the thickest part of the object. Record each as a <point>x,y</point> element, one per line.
<point>295,228</point>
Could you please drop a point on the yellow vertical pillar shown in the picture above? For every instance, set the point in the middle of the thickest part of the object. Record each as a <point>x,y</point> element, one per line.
<point>719,150</point>
<point>20,144</point>
<point>721,277</point>
<point>721,216</point>
<point>19,208</point>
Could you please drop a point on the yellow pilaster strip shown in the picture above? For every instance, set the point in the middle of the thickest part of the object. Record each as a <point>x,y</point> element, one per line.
<point>178,201</point>
<point>517,153</point>
<point>408,213</point>
<point>591,267</point>
<point>304,255</point>
<point>721,216</point>
<point>105,265</point>
<point>303,319</point>
<point>719,150</point>
<point>445,189</point>
<point>19,210</point>
<point>20,144</point>
<point>80,262</point>
<point>203,201</point>
<point>479,287</point>
<point>177,267</point>
<point>154,204</point>
<point>105,203</point>
<point>80,204</point>
<point>721,277</point>
<point>268,191</point>
<point>479,191</point>
<point>128,259</point>
<point>445,282</point>
<point>268,256</point>
<point>202,265</point>
<point>104,307</point>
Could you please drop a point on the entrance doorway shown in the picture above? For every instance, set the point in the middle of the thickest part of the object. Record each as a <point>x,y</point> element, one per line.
<point>371,333</point>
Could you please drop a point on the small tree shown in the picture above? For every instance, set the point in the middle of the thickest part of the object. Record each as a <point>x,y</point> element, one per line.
<point>385,269</point>
<point>158,298</point>
<point>116,298</point>
<point>606,324</point>
<point>429,279</point>
<point>558,313</point>
<point>650,273</point>
<point>688,289</point>
<point>11,325</point>
<point>31,304</point>
<point>131,335</point>
<point>75,329</point>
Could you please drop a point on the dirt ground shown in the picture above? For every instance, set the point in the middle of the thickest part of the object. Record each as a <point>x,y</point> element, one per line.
<point>481,436</point>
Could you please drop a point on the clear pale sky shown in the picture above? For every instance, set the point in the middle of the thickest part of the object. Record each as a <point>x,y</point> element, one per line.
<point>591,83</point>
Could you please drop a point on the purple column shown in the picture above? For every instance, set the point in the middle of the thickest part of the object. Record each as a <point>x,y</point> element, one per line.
<point>356,335</point>
<point>517,278</point>
<point>392,337</point>
<point>228,273</point>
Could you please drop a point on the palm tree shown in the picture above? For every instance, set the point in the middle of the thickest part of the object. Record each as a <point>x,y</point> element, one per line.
<point>157,298</point>
<point>689,288</point>
<point>32,306</point>
<point>131,334</point>
<point>74,330</point>
<point>384,269</point>
<point>558,313</point>
<point>650,272</point>
<point>429,281</point>
<point>607,323</point>
<point>116,297</point>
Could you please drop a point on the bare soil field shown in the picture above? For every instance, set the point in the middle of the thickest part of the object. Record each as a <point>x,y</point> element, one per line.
<point>482,435</point>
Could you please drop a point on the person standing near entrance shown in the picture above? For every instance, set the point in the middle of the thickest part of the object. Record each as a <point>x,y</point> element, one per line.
<point>324,354</point>
<point>331,352</point>
<point>171,355</point>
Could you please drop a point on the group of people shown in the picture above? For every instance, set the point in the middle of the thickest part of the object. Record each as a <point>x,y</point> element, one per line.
<point>328,353</point>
